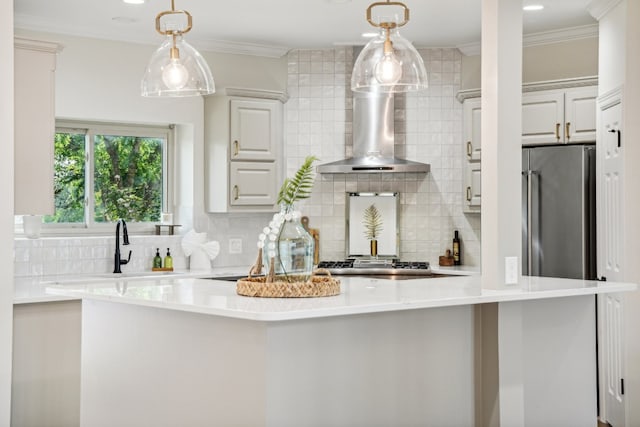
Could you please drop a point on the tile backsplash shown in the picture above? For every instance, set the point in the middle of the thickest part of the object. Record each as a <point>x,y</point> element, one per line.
<point>91,255</point>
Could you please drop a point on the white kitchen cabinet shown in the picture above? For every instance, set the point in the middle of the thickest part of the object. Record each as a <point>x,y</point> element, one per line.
<point>559,116</point>
<point>45,386</point>
<point>472,118</point>
<point>34,123</point>
<point>253,183</point>
<point>254,129</point>
<point>580,114</point>
<point>542,117</point>
<point>472,187</point>
<point>243,150</point>
<point>472,151</point>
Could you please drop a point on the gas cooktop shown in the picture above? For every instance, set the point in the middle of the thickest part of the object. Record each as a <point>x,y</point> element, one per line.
<point>354,266</point>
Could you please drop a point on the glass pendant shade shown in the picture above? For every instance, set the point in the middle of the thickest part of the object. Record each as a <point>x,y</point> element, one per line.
<point>399,69</point>
<point>183,72</point>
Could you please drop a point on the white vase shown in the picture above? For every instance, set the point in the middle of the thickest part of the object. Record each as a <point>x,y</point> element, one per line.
<point>32,224</point>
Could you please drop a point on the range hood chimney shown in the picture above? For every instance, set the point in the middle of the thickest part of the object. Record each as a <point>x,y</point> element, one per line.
<point>373,139</point>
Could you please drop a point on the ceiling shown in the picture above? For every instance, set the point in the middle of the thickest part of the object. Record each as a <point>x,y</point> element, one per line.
<point>282,23</point>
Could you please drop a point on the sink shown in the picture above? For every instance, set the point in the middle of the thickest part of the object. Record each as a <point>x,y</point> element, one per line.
<point>139,274</point>
<point>107,277</point>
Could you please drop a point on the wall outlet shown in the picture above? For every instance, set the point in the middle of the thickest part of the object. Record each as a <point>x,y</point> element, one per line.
<point>511,270</point>
<point>235,246</point>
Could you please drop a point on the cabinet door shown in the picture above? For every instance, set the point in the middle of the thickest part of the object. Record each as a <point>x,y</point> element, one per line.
<point>472,117</point>
<point>253,129</point>
<point>542,117</point>
<point>580,115</point>
<point>252,183</point>
<point>472,187</point>
<point>34,124</point>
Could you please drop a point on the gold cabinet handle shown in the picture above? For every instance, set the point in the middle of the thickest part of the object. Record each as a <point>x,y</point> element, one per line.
<point>567,132</point>
<point>558,131</point>
<point>236,147</point>
<point>468,194</point>
<point>236,192</point>
<point>469,148</point>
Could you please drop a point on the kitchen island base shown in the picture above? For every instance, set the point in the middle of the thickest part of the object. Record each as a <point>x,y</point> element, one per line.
<point>446,366</point>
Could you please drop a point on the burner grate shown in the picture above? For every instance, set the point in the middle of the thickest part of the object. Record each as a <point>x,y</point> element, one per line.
<point>351,263</point>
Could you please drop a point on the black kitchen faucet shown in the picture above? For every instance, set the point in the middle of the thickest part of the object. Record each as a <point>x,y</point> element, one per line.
<point>125,241</point>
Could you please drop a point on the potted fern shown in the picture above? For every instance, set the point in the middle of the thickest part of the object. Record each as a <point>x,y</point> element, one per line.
<point>287,247</point>
<point>372,221</point>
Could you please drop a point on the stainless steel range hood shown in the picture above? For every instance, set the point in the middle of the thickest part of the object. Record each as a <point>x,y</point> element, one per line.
<point>373,139</point>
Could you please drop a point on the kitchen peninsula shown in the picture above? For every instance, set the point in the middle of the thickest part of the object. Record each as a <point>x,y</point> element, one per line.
<point>440,351</point>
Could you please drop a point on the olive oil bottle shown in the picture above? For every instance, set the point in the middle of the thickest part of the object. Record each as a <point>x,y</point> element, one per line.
<point>456,248</point>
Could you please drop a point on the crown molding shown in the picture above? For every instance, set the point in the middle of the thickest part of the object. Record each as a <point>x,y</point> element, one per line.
<point>538,86</point>
<point>599,8</point>
<point>239,48</point>
<point>37,45</point>
<point>256,93</point>
<point>542,38</point>
<point>31,23</point>
<point>611,98</point>
<point>469,49</point>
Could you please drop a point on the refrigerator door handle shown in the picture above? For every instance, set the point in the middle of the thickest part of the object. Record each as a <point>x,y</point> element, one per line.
<point>530,174</point>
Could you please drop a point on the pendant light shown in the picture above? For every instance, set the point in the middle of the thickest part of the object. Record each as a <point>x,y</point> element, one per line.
<point>176,68</point>
<point>389,63</point>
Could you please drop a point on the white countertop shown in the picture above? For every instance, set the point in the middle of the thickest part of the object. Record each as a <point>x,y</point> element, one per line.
<point>33,289</point>
<point>358,295</point>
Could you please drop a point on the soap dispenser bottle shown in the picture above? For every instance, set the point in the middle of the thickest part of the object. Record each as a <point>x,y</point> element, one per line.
<point>168,261</point>
<point>157,260</point>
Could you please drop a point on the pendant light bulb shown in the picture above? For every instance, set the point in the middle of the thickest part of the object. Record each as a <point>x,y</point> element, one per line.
<point>175,75</point>
<point>389,69</point>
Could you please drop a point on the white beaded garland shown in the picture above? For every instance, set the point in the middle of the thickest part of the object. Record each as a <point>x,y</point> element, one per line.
<point>271,232</point>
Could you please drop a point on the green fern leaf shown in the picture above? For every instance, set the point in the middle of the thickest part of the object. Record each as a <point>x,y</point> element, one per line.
<point>299,187</point>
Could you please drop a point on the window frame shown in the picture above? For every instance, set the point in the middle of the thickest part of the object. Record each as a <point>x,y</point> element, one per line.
<point>90,129</point>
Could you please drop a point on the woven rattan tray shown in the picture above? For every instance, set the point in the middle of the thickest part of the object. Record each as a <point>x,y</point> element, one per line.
<point>280,287</point>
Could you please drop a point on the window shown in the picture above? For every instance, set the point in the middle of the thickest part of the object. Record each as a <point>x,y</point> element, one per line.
<point>107,172</point>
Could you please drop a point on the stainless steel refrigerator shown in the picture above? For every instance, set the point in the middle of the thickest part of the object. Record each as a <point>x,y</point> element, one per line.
<point>558,211</point>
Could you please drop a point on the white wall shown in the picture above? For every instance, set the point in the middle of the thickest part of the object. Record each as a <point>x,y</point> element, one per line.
<point>562,60</point>
<point>6,209</point>
<point>612,50</point>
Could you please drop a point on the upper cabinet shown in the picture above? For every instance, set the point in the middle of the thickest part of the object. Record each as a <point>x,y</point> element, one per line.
<point>254,129</point>
<point>34,126</point>
<point>471,111</point>
<point>243,146</point>
<point>472,150</point>
<point>559,116</point>
<point>580,114</point>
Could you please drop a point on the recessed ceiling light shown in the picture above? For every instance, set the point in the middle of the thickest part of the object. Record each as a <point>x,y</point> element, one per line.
<point>369,35</point>
<point>134,1</point>
<point>533,7</point>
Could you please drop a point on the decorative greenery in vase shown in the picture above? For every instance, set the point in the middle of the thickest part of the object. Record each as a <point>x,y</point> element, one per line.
<point>287,245</point>
<point>372,221</point>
